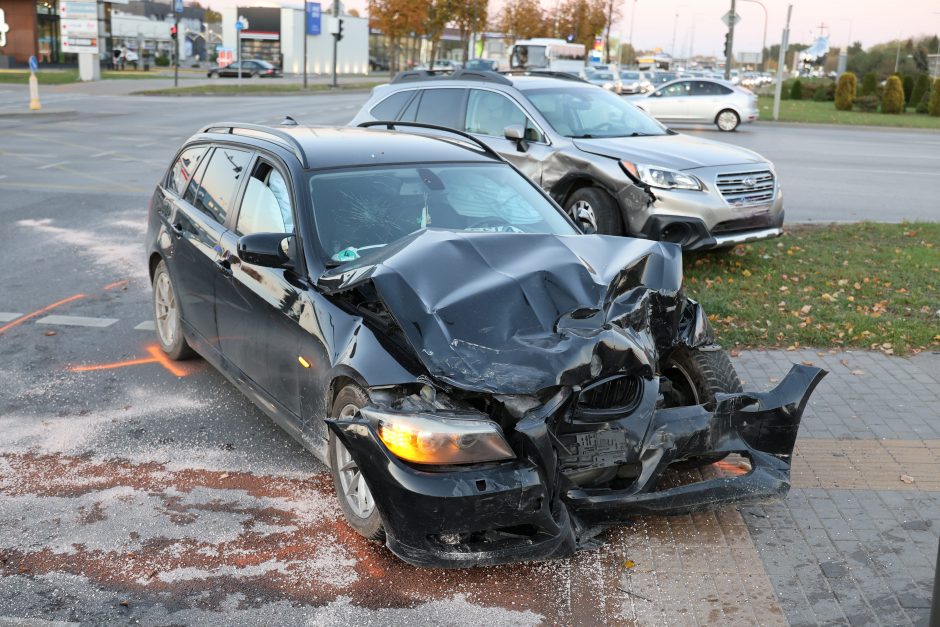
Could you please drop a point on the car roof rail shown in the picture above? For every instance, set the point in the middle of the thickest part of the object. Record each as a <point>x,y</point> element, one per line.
<point>565,76</point>
<point>457,75</point>
<point>391,126</point>
<point>266,133</point>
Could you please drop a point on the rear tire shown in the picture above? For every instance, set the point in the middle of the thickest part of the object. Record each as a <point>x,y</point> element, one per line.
<point>352,491</point>
<point>591,204</point>
<point>727,120</point>
<point>167,318</point>
<point>696,377</point>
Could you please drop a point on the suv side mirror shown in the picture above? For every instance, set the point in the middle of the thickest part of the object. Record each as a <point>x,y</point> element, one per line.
<point>269,250</point>
<point>515,132</point>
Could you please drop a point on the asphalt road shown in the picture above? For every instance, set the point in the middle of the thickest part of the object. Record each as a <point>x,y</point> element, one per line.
<point>134,489</point>
<point>847,174</point>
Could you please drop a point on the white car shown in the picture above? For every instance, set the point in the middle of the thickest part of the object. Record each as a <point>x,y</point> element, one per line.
<point>699,101</point>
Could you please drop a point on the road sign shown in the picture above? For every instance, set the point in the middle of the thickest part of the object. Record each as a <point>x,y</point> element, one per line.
<point>33,64</point>
<point>313,18</point>
<point>730,17</point>
<point>178,6</point>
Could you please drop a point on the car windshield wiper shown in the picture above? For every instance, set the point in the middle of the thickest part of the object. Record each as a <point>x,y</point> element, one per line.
<point>582,136</point>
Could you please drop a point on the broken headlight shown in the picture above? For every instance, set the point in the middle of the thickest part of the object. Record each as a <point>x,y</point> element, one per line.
<point>663,178</point>
<point>434,439</point>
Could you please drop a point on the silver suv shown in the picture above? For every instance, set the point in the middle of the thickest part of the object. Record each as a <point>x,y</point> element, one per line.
<point>613,168</point>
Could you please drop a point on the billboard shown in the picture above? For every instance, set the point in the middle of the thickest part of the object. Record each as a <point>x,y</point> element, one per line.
<point>78,26</point>
<point>313,18</point>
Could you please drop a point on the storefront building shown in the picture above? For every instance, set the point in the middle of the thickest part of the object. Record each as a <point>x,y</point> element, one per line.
<point>32,29</point>
<point>276,35</point>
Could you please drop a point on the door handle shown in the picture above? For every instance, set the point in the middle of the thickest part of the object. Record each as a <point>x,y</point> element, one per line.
<point>177,229</point>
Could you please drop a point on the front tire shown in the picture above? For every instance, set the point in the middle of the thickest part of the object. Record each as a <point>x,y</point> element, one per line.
<point>696,376</point>
<point>167,318</point>
<point>727,120</point>
<point>352,491</point>
<point>595,207</point>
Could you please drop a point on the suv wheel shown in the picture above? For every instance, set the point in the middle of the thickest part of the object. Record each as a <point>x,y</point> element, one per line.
<point>352,491</point>
<point>727,120</point>
<point>594,208</point>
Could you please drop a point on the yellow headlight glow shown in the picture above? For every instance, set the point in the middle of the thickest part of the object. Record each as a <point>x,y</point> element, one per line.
<point>422,439</point>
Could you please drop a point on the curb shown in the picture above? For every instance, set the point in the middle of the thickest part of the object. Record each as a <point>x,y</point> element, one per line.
<point>49,113</point>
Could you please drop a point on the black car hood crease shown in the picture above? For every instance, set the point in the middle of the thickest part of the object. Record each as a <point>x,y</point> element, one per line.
<point>518,313</point>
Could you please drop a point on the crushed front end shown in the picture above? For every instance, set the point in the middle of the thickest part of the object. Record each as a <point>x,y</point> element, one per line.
<point>548,414</point>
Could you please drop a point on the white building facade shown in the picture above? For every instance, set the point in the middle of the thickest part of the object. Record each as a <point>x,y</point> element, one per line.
<point>277,36</point>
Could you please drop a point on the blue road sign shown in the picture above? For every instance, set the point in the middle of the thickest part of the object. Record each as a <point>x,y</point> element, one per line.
<point>313,18</point>
<point>178,6</point>
<point>33,64</point>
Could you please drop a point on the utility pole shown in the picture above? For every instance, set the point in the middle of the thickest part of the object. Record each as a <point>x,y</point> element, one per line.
<point>306,34</point>
<point>763,61</point>
<point>729,49</point>
<point>336,36</point>
<point>176,51</point>
<point>781,59</point>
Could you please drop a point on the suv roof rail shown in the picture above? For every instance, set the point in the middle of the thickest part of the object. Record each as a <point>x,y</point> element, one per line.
<point>546,73</point>
<point>457,75</point>
<point>390,125</point>
<point>267,133</point>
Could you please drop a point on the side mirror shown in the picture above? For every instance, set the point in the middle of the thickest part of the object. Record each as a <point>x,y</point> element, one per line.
<point>515,132</point>
<point>269,250</point>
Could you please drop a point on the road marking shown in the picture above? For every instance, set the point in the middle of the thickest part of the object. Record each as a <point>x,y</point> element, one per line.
<point>77,321</point>
<point>146,326</point>
<point>51,165</point>
<point>157,356</point>
<point>111,286</point>
<point>39,312</point>
<point>6,316</point>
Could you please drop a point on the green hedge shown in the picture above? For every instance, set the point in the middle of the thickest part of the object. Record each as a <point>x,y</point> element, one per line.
<point>845,91</point>
<point>893,100</point>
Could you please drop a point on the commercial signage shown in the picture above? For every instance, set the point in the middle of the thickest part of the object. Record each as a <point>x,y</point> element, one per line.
<point>78,10</point>
<point>4,29</point>
<point>313,18</point>
<point>79,35</point>
<point>78,26</point>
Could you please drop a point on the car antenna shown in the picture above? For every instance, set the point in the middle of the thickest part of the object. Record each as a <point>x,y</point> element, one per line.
<point>288,121</point>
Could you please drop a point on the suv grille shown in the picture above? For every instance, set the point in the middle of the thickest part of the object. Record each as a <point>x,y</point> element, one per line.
<point>620,392</point>
<point>747,188</point>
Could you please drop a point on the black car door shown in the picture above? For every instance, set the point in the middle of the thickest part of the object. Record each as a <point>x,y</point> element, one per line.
<point>258,308</point>
<point>198,226</point>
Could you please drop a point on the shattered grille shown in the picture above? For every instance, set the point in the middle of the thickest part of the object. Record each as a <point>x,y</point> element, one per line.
<point>621,392</point>
<point>746,188</point>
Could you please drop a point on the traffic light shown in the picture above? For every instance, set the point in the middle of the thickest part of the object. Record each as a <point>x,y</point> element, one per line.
<point>173,32</point>
<point>727,43</point>
<point>339,30</point>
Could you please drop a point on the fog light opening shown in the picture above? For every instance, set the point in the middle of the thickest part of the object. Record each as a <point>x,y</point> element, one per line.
<point>676,233</point>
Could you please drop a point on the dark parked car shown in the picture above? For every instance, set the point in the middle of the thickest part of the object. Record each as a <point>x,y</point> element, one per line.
<point>250,68</point>
<point>486,383</point>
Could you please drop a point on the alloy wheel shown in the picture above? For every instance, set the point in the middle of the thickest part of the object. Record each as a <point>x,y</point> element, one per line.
<point>353,484</point>
<point>727,120</point>
<point>166,313</point>
<point>583,214</point>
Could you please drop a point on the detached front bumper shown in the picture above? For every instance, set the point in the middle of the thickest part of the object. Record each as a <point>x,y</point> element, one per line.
<point>527,509</point>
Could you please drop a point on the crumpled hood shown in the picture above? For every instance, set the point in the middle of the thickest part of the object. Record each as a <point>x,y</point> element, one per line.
<point>679,152</point>
<point>517,313</point>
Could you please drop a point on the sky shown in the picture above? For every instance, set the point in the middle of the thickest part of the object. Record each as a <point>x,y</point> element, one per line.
<point>697,23</point>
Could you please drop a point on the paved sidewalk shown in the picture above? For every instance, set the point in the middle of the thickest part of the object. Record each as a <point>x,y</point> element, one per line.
<point>853,543</point>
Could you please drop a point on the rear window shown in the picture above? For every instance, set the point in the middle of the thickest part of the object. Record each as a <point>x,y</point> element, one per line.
<point>184,168</point>
<point>389,108</point>
<point>443,107</point>
<point>220,181</point>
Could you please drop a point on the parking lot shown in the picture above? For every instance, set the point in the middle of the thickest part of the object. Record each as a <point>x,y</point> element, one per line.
<point>134,488</point>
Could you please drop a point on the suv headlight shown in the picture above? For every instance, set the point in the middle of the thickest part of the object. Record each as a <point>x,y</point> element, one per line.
<point>457,438</point>
<point>663,178</point>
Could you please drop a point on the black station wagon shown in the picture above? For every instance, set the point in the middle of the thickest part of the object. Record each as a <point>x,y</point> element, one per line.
<point>486,382</point>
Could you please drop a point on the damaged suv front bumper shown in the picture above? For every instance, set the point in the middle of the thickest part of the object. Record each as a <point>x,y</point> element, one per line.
<point>528,509</point>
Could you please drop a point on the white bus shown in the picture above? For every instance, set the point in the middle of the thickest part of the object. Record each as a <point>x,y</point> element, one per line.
<point>546,54</point>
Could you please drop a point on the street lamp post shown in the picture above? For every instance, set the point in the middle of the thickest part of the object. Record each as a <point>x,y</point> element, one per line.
<point>763,62</point>
<point>632,16</point>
